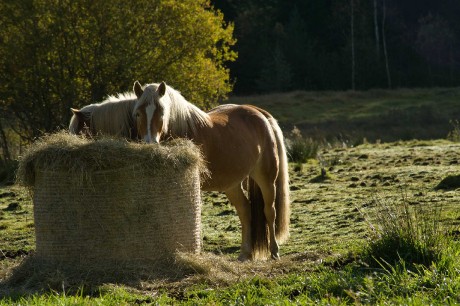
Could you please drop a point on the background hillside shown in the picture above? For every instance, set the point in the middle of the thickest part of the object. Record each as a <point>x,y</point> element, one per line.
<point>352,116</point>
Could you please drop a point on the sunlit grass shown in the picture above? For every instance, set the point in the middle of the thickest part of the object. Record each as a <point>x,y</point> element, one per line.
<point>324,260</point>
<point>388,115</point>
<point>401,232</point>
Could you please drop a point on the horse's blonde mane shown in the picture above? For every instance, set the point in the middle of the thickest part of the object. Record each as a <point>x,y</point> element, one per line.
<point>180,118</point>
<point>113,115</point>
<point>129,95</point>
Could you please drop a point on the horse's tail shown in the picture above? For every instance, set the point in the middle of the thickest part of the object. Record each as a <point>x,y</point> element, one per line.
<point>282,202</point>
<point>259,227</point>
<point>259,231</point>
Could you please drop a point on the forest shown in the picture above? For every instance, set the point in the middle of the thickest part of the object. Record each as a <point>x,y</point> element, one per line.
<point>341,45</point>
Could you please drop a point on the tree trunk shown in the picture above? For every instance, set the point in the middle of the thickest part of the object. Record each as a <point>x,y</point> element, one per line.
<point>376,30</point>
<point>4,144</point>
<point>353,72</point>
<point>385,52</point>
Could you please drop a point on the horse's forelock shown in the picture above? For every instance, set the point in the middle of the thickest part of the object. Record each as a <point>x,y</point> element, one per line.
<point>146,98</point>
<point>179,115</point>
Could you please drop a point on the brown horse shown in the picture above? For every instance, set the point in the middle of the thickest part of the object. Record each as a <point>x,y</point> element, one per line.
<point>111,117</point>
<point>237,141</point>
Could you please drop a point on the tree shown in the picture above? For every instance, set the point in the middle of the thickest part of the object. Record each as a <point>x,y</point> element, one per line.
<point>275,75</point>
<point>55,54</point>
<point>376,31</point>
<point>352,35</point>
<point>434,43</point>
<point>384,41</point>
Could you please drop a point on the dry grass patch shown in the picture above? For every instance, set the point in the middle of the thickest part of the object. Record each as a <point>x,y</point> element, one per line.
<point>184,271</point>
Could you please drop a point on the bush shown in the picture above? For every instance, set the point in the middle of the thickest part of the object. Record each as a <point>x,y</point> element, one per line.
<point>300,149</point>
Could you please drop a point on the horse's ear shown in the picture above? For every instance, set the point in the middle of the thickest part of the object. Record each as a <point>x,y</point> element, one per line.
<point>138,89</point>
<point>77,113</point>
<point>162,89</point>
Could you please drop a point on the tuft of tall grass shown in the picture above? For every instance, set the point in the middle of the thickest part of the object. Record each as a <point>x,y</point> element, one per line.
<point>407,233</point>
<point>299,148</point>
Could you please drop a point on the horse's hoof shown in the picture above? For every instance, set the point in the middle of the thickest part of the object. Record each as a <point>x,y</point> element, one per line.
<point>276,256</point>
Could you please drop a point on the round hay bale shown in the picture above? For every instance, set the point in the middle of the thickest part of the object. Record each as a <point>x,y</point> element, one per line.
<point>110,200</point>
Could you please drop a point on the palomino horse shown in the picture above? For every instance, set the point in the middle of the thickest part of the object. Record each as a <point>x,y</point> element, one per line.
<point>112,117</point>
<point>237,141</point>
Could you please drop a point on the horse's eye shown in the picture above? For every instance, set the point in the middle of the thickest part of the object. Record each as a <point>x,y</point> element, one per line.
<point>137,115</point>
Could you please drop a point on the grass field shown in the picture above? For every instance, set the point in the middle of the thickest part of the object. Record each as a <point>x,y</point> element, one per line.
<point>338,200</point>
<point>386,115</point>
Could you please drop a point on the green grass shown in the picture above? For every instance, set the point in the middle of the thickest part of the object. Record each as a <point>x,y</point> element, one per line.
<point>325,261</point>
<point>387,115</point>
<point>351,284</point>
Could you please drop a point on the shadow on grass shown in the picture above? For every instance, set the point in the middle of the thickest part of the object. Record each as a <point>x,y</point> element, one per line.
<point>450,182</point>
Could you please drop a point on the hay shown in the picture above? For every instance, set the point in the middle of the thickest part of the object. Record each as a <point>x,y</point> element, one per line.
<point>183,271</point>
<point>105,201</point>
<point>80,156</point>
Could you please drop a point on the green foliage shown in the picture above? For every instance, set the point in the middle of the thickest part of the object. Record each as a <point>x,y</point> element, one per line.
<point>300,149</point>
<point>60,54</point>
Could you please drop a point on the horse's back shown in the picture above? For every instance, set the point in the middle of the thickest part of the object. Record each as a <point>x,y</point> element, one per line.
<point>241,122</point>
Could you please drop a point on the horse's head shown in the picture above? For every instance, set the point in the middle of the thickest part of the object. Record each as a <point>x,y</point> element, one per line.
<point>80,122</point>
<point>149,112</point>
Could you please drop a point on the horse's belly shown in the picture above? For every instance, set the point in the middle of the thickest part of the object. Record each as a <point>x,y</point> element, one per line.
<point>220,180</point>
<point>228,170</point>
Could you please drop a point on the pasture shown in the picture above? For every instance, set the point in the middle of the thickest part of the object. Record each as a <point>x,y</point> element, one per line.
<point>336,202</point>
<point>377,114</point>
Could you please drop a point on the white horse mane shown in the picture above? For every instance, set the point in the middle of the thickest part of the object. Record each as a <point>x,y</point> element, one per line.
<point>111,116</point>
<point>180,117</point>
<point>129,95</point>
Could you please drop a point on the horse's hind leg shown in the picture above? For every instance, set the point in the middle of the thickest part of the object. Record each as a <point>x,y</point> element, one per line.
<point>241,203</point>
<point>269,193</point>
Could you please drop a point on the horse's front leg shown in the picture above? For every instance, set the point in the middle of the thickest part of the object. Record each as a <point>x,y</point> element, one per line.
<point>241,203</point>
